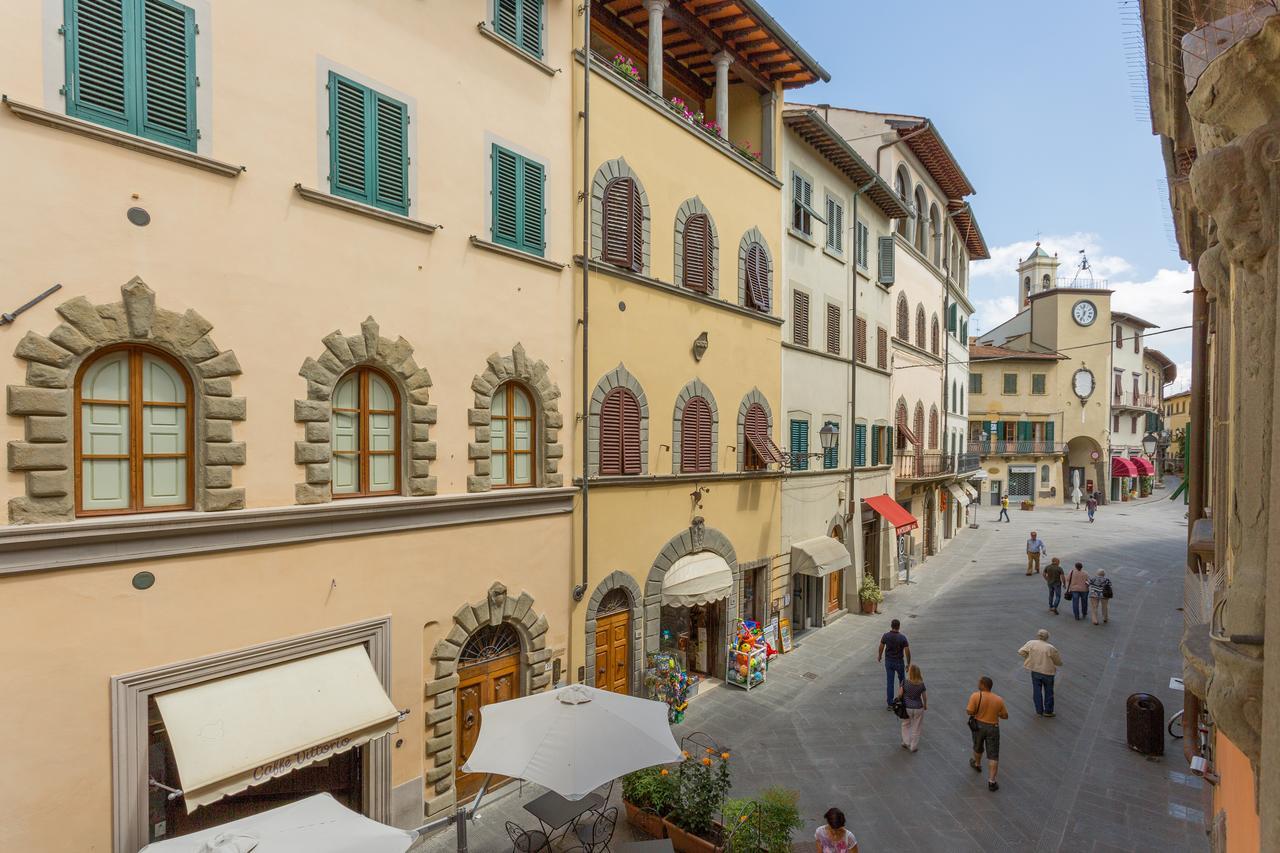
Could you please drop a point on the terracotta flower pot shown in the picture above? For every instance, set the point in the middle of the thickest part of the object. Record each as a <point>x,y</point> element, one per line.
<point>686,842</point>
<point>648,822</point>
<point>868,606</point>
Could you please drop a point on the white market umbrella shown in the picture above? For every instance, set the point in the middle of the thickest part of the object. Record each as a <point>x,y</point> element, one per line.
<point>318,824</point>
<point>573,739</point>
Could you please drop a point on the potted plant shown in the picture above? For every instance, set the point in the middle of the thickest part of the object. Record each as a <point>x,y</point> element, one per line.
<point>703,785</point>
<point>763,823</point>
<point>869,594</point>
<point>626,66</point>
<point>648,795</point>
<point>1028,505</point>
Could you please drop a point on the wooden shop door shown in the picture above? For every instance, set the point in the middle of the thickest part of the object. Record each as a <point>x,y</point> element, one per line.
<point>613,652</point>
<point>835,584</point>
<point>480,684</point>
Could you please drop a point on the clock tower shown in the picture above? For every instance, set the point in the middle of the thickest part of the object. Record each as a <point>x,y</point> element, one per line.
<point>1036,274</point>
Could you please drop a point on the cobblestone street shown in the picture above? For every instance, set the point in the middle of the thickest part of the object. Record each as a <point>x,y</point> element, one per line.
<point>1068,783</point>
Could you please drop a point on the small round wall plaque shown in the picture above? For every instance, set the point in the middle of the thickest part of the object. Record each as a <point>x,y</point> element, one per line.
<point>144,580</point>
<point>138,216</point>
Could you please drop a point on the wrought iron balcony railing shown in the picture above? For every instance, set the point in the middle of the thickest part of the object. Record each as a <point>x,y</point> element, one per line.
<point>1001,447</point>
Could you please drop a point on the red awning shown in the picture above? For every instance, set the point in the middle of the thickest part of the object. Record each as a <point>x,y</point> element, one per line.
<point>1144,466</point>
<point>901,520</point>
<point>1122,467</point>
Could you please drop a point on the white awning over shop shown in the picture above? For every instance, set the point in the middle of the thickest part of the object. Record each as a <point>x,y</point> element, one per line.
<point>697,579</point>
<point>959,494</point>
<point>819,556</point>
<point>970,491</point>
<point>245,729</point>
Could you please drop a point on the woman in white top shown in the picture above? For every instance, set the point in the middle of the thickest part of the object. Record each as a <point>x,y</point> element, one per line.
<point>833,837</point>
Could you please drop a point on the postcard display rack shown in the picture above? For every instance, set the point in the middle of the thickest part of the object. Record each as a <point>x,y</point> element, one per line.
<point>747,660</point>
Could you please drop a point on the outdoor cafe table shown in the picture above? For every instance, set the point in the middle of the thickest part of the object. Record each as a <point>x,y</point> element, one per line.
<point>659,845</point>
<point>554,811</point>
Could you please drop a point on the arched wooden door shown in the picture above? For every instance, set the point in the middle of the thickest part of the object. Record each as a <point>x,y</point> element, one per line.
<point>488,672</point>
<point>835,580</point>
<point>613,647</point>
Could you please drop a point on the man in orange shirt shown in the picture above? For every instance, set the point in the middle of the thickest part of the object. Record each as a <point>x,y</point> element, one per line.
<point>986,710</point>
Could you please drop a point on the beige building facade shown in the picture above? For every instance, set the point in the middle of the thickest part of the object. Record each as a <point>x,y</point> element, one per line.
<point>299,392</point>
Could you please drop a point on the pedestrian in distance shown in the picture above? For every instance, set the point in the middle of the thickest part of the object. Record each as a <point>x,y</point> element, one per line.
<point>986,710</point>
<point>1004,509</point>
<point>896,654</point>
<point>1078,591</point>
<point>1092,506</point>
<point>916,702</point>
<point>1053,577</point>
<point>1100,595</point>
<point>832,836</point>
<point>1041,659</point>
<point>1035,547</point>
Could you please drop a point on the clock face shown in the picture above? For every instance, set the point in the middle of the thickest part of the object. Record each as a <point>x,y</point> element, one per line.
<point>1082,381</point>
<point>1084,312</point>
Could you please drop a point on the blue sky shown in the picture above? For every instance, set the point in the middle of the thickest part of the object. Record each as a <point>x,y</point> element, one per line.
<point>1033,98</point>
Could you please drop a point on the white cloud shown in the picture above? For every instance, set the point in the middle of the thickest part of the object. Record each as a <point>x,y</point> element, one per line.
<point>1004,259</point>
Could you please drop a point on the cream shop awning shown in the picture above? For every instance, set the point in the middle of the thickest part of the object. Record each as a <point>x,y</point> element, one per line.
<point>245,729</point>
<point>697,579</point>
<point>959,494</point>
<point>819,556</point>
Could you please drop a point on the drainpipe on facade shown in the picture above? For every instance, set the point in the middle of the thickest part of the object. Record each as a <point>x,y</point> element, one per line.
<point>580,590</point>
<point>853,365</point>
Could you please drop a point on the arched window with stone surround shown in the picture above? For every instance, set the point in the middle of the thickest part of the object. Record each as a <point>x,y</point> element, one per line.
<point>620,213</point>
<point>696,264</point>
<point>755,272</point>
<point>513,423</point>
<point>917,426</point>
<point>134,433</point>
<point>922,203</point>
<point>904,318</point>
<point>365,435</point>
<point>920,327</point>
<point>935,337</point>
<point>620,440</point>
<point>902,186</point>
<point>900,426</point>
<point>696,446</point>
<point>935,225</point>
<point>933,427</point>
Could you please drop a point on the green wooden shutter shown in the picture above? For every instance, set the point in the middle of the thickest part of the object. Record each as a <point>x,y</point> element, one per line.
<point>348,149</point>
<point>167,65</point>
<point>859,445</point>
<point>390,153</point>
<point>886,268</point>
<point>99,83</point>
<point>876,436</point>
<point>533,212</point>
<point>831,455</point>
<point>888,445</point>
<point>506,19</point>
<point>506,198</point>
<point>531,26</point>
<point>1048,432</point>
<point>799,445</point>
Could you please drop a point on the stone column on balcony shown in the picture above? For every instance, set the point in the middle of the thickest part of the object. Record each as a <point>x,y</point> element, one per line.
<point>768,107</point>
<point>655,9</point>
<point>722,61</point>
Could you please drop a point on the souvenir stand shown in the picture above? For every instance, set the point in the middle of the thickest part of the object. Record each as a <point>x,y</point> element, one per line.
<point>667,681</point>
<point>747,660</point>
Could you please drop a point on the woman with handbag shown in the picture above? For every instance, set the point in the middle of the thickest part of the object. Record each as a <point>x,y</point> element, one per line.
<point>915,702</point>
<point>1078,591</point>
<point>1100,594</point>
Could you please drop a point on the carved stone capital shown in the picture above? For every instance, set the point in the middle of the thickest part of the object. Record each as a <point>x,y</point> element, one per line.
<point>1235,696</point>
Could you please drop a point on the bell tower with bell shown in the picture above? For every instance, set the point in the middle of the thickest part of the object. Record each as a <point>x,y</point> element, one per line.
<point>1036,274</point>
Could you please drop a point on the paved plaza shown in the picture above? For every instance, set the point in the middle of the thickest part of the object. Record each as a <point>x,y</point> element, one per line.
<point>819,725</point>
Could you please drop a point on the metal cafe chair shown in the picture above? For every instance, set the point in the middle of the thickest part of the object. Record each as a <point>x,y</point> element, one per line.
<point>597,834</point>
<point>527,840</point>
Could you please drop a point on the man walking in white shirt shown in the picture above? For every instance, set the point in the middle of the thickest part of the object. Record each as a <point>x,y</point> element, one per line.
<point>1042,660</point>
<point>1035,547</point>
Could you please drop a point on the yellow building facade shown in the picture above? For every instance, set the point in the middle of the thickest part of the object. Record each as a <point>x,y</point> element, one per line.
<point>680,511</point>
<point>299,392</point>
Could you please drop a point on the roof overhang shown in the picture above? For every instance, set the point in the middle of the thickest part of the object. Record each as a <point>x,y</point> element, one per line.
<point>1168,370</point>
<point>1132,320</point>
<point>927,144</point>
<point>966,223</point>
<point>827,141</point>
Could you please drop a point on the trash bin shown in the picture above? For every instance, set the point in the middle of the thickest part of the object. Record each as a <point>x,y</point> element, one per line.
<point>1144,724</point>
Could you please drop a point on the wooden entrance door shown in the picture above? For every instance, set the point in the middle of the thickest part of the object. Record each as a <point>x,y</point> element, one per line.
<point>835,583</point>
<point>613,652</point>
<point>480,684</point>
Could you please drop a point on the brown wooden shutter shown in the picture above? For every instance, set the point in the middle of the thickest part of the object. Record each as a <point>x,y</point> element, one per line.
<point>630,432</point>
<point>800,318</point>
<point>636,224</point>
<point>616,214</point>
<point>920,326</point>
<point>933,429</point>
<point>756,278</point>
<point>695,437</point>
<point>919,426</point>
<point>611,433</point>
<point>833,329</point>
<point>904,319</point>
<point>934,343</point>
<point>860,339</point>
<point>696,252</point>
<point>882,348</point>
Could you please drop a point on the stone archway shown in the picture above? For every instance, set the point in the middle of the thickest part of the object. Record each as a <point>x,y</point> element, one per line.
<point>697,538</point>
<point>497,608</point>
<point>343,352</point>
<point>1080,454</point>
<point>47,401</point>
<point>536,377</point>
<point>624,581</point>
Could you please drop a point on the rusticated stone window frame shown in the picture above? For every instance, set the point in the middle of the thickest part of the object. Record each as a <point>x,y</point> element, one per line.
<point>497,608</point>
<point>690,208</point>
<point>619,377</point>
<point>695,388</point>
<point>535,377</point>
<point>754,236</point>
<point>609,170</point>
<point>395,359</point>
<point>752,396</point>
<point>46,453</point>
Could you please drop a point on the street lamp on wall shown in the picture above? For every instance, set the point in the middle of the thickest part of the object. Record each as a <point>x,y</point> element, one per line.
<point>827,437</point>
<point>1149,444</point>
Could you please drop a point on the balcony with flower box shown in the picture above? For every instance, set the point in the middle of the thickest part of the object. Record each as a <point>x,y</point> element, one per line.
<point>1001,447</point>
